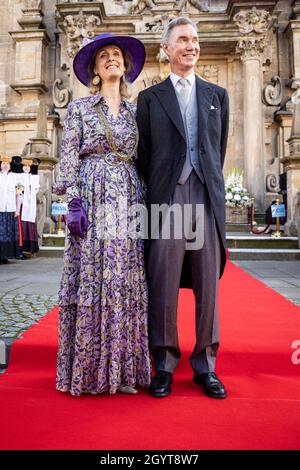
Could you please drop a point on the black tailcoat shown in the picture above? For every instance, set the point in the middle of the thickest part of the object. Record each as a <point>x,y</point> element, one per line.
<point>162,147</point>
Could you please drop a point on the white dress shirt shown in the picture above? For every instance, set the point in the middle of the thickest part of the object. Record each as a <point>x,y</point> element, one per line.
<point>176,83</point>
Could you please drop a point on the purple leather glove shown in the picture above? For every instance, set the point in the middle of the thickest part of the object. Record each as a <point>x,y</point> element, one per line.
<point>76,218</point>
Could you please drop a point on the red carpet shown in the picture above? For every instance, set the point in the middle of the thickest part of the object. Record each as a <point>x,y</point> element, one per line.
<point>262,411</point>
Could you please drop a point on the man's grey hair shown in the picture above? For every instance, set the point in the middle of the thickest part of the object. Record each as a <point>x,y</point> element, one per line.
<point>181,20</point>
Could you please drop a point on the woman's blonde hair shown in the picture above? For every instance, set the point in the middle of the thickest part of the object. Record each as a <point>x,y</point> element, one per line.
<point>124,84</point>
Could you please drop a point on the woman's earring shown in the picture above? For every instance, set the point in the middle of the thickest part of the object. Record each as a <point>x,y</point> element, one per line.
<point>96,80</point>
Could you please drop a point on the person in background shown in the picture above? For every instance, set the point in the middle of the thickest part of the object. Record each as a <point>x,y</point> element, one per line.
<point>9,230</point>
<point>28,185</point>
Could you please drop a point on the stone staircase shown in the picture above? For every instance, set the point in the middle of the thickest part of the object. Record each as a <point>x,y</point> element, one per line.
<point>244,245</point>
<point>241,243</point>
<point>52,246</point>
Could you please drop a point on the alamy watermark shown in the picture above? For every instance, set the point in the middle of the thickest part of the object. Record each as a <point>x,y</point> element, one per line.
<point>121,220</point>
<point>296,354</point>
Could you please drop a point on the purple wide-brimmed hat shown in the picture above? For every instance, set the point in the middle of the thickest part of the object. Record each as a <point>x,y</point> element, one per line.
<point>129,44</point>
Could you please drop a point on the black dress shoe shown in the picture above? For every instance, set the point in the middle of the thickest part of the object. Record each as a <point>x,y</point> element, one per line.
<point>161,384</point>
<point>212,386</point>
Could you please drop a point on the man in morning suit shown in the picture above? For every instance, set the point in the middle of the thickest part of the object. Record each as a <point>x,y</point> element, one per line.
<point>183,127</point>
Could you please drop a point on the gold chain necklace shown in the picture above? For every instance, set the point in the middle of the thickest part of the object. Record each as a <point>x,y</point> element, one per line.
<point>109,135</point>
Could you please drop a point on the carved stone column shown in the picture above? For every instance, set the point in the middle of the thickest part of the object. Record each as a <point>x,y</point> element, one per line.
<point>293,33</point>
<point>31,43</point>
<point>252,25</point>
<point>291,165</point>
<point>79,24</point>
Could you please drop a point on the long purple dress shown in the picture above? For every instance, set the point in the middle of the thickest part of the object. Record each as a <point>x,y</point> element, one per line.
<point>103,299</point>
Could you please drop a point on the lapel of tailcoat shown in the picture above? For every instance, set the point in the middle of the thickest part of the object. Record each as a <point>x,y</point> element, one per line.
<point>204,100</point>
<point>168,99</point>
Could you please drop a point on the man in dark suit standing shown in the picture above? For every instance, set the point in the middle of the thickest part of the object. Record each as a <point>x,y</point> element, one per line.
<point>183,126</point>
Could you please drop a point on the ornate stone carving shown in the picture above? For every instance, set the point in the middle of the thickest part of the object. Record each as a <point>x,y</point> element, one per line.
<point>164,66</point>
<point>273,93</point>
<point>73,1</point>
<point>138,6</point>
<point>60,96</point>
<point>295,149</point>
<point>209,72</point>
<point>77,28</point>
<point>33,4</point>
<point>201,5</point>
<point>253,20</point>
<point>251,47</point>
<point>295,98</point>
<point>159,22</point>
<point>272,183</point>
<point>149,81</point>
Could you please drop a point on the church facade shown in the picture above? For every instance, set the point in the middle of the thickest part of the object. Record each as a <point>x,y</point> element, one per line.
<point>252,48</point>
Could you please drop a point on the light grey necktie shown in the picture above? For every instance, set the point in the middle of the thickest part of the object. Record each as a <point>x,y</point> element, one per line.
<point>184,90</point>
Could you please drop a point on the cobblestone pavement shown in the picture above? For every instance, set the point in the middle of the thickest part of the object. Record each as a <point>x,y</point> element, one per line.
<point>18,312</point>
<point>28,291</point>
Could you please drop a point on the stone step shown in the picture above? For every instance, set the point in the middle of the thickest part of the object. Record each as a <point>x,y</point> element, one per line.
<point>242,245</point>
<point>50,239</point>
<point>263,254</point>
<point>261,241</point>
<point>234,253</point>
<point>259,218</point>
<point>258,252</point>
<point>53,239</point>
<point>238,228</point>
<point>245,227</point>
<point>51,251</point>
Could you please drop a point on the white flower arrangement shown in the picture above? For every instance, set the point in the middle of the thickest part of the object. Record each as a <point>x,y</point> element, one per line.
<point>235,194</point>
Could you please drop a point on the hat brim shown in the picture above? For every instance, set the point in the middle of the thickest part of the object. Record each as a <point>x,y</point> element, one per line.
<point>130,44</point>
<point>5,159</point>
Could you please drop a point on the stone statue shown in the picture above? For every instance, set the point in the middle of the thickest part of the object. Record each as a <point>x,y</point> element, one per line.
<point>159,22</point>
<point>41,209</point>
<point>138,6</point>
<point>199,4</point>
<point>78,27</point>
<point>253,20</point>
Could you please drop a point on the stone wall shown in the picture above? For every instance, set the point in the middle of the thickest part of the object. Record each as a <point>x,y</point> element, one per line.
<point>251,48</point>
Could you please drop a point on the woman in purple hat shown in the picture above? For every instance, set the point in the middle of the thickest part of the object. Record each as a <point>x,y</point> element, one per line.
<point>103,301</point>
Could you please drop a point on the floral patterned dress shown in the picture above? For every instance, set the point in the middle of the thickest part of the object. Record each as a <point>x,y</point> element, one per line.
<point>103,299</point>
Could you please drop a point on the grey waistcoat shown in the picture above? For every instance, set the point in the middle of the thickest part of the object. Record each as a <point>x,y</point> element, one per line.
<point>190,121</point>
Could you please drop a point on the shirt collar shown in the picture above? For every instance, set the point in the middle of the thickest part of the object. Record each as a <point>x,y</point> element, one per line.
<point>175,78</point>
<point>97,98</point>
